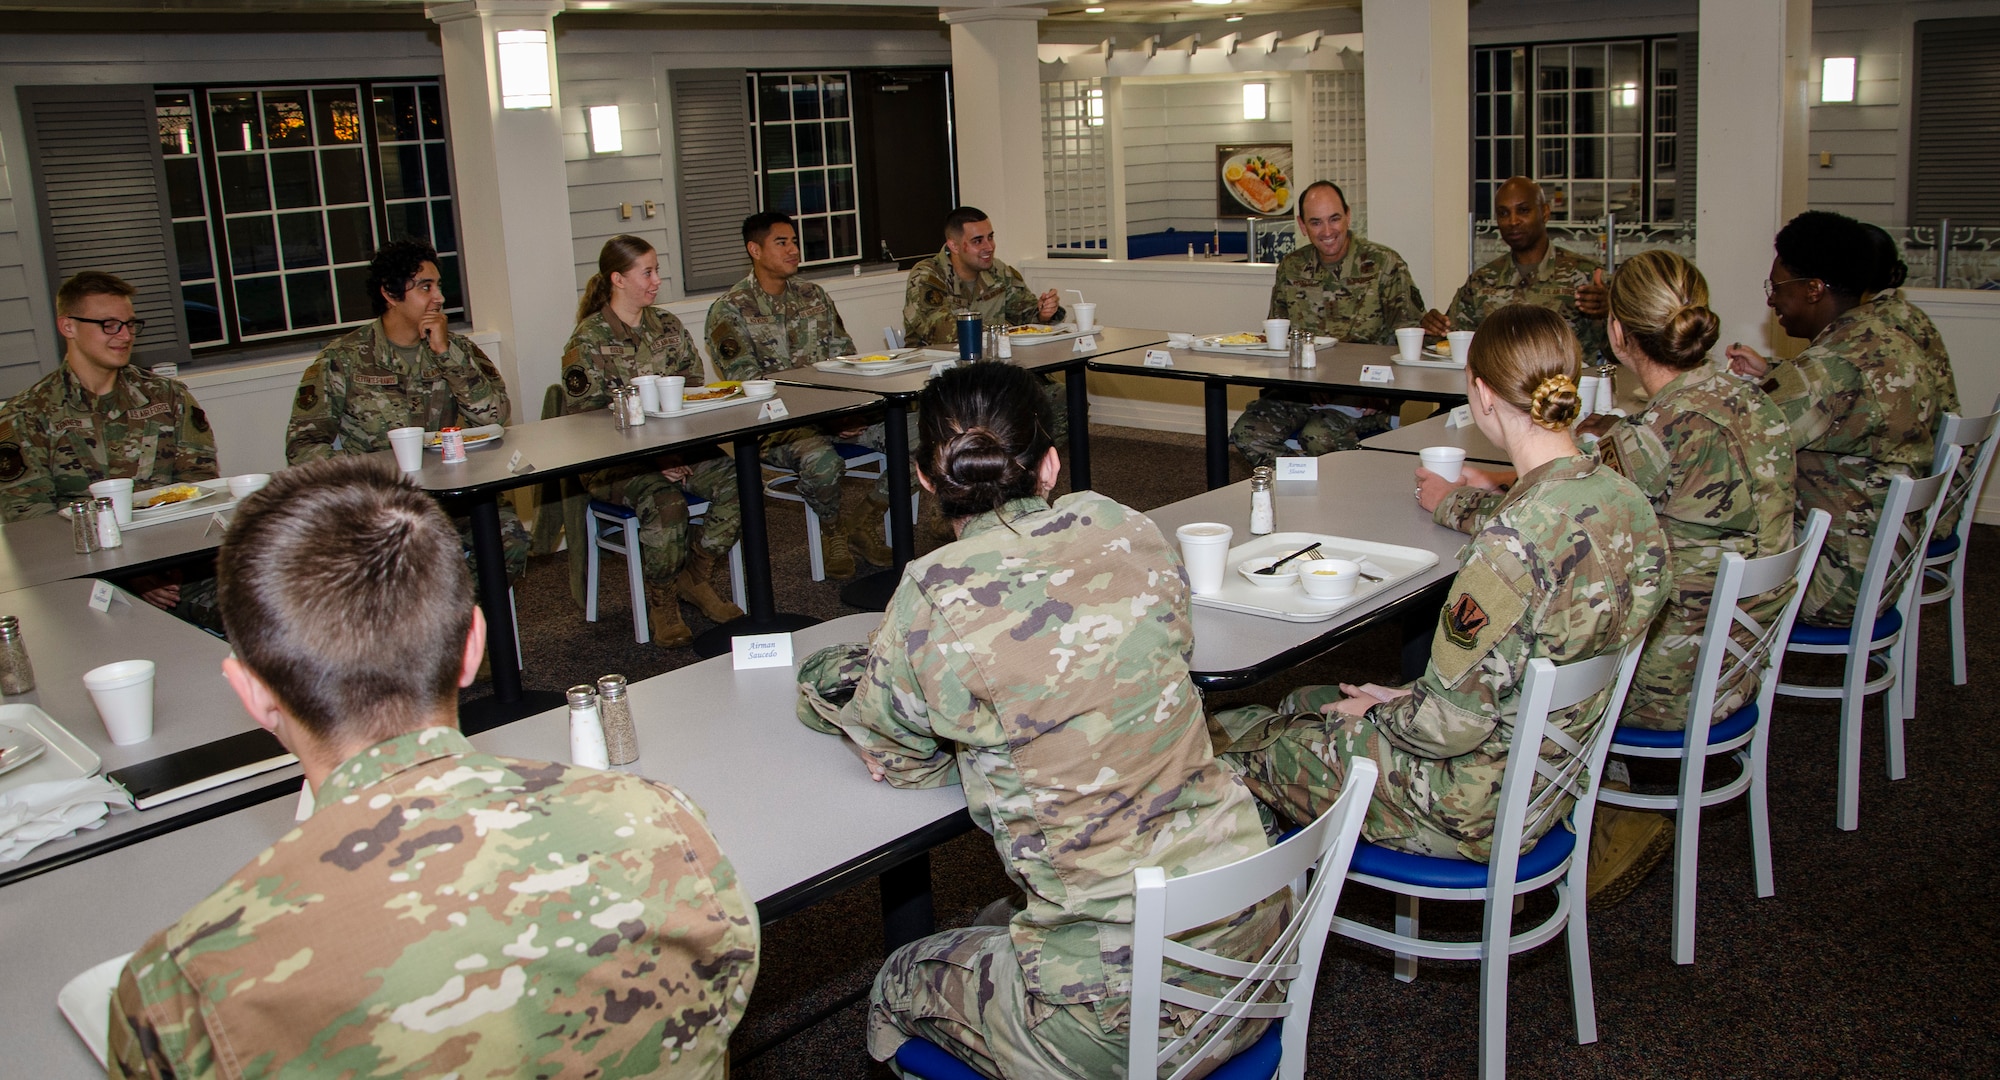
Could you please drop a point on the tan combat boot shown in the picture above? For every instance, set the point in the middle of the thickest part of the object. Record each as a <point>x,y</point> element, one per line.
<point>833,553</point>
<point>693,585</point>
<point>1625,846</point>
<point>663,614</point>
<point>864,534</point>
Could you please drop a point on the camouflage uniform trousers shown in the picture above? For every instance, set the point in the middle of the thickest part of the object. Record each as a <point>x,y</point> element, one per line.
<point>876,437</point>
<point>514,543</point>
<point>1259,434</point>
<point>1296,762</point>
<point>663,512</point>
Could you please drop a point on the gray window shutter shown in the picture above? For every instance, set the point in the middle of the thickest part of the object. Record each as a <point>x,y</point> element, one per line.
<point>1955,144</point>
<point>1687,100</point>
<point>100,195</point>
<point>713,180</point>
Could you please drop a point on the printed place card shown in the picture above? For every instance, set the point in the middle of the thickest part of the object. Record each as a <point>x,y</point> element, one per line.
<point>1377,373</point>
<point>773,409</point>
<point>1159,358</point>
<point>103,595</point>
<point>516,465</point>
<point>1086,343</point>
<point>761,650</point>
<point>1461,416</point>
<point>1297,468</point>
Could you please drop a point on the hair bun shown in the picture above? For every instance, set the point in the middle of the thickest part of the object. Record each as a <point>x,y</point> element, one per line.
<point>1690,332</point>
<point>1555,404</point>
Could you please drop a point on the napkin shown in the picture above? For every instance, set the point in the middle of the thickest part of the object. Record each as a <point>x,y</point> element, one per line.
<point>34,814</point>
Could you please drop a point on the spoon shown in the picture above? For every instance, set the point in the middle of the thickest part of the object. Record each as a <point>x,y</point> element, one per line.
<point>1273,568</point>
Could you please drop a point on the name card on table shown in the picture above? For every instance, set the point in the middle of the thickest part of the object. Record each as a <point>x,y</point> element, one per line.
<point>761,650</point>
<point>1377,373</point>
<point>1461,416</point>
<point>1297,468</point>
<point>773,409</point>
<point>516,465</point>
<point>942,366</point>
<point>1159,358</point>
<point>103,595</point>
<point>1086,343</point>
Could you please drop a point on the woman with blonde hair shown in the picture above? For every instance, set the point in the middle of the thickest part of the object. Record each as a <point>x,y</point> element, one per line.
<point>1568,566</point>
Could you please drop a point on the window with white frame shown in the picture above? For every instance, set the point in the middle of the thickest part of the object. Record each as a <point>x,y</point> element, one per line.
<point>1074,175</point>
<point>803,134</point>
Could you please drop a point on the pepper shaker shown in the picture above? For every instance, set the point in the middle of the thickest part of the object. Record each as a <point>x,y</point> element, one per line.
<point>83,525</point>
<point>17,675</point>
<point>614,709</point>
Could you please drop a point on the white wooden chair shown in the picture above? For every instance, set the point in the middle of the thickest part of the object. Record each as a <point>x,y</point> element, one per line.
<point>615,528</point>
<point>1944,558</point>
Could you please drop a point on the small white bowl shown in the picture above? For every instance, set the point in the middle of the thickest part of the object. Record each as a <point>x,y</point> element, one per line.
<point>242,487</point>
<point>759,388</point>
<point>1283,578</point>
<point>1329,579</point>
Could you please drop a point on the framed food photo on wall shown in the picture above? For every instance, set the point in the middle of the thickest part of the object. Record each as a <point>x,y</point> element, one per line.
<point>1253,181</point>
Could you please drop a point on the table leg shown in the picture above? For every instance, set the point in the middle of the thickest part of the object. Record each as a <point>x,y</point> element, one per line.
<point>1078,388</point>
<point>871,592</point>
<point>1215,408</point>
<point>763,616</point>
<point>906,902</point>
<point>490,562</point>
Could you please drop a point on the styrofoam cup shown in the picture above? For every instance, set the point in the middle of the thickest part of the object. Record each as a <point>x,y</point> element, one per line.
<point>1586,395</point>
<point>1607,394</point>
<point>1205,550</point>
<point>759,388</point>
<point>1461,345</point>
<point>248,484</point>
<point>123,694</point>
<point>649,391</point>
<point>1275,332</point>
<point>1086,316</point>
<point>673,388</point>
<point>1446,461</point>
<point>119,491</point>
<point>408,443</point>
<point>1410,341</point>
<point>1329,579</point>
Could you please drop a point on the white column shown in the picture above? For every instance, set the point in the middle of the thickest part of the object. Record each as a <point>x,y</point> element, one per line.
<point>1750,153</point>
<point>1415,56</point>
<point>513,196</point>
<point>996,94</point>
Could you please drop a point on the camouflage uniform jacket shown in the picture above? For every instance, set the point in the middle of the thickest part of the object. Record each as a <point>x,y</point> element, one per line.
<point>935,293</point>
<point>1041,660</point>
<point>603,348</point>
<point>1862,411</point>
<point>57,439</point>
<point>751,332</point>
<point>1571,565</point>
<point>1896,309</point>
<point>1551,285</point>
<point>1364,299</point>
<point>445,912</point>
<point>358,390</point>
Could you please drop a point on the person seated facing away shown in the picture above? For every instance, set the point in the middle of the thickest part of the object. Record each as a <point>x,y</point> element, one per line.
<point>1534,271</point>
<point>96,417</point>
<point>619,335</point>
<point>441,910</point>
<point>1715,458</point>
<point>1860,401</point>
<point>1041,660</point>
<point>1570,565</point>
<point>773,320</point>
<point>405,369</point>
<point>1342,286</point>
<point>1890,304</point>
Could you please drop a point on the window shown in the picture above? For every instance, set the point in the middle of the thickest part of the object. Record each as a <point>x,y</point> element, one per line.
<point>1953,154</point>
<point>803,134</point>
<point>279,195</point>
<point>1073,167</point>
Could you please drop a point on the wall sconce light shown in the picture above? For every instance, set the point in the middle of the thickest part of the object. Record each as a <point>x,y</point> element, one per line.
<point>605,135</point>
<point>524,69</point>
<point>1836,79</point>
<point>1256,101</point>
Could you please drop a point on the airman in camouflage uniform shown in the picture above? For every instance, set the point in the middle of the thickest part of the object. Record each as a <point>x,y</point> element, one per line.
<point>1715,457</point>
<point>1365,298</point>
<point>57,439</point>
<point>1895,309</point>
<point>1551,284</point>
<point>999,294</point>
<point>603,349</point>
<point>1571,566</point>
<point>422,923</point>
<point>1041,660</point>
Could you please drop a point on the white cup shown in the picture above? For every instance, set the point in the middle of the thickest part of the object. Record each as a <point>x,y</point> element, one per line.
<point>1587,389</point>
<point>119,490</point>
<point>1461,345</point>
<point>408,443</point>
<point>1086,316</point>
<point>1446,461</point>
<point>759,388</point>
<point>649,391</point>
<point>1275,331</point>
<point>672,389</point>
<point>1410,342</point>
<point>241,487</point>
<point>1607,394</point>
<point>1205,550</point>
<point>123,694</point>
<point>1329,579</point>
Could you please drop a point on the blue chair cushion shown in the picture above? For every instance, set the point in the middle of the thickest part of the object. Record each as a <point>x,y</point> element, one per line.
<point>1886,624</point>
<point>611,509</point>
<point>925,1061</point>
<point>850,450</point>
<point>1438,873</point>
<point>1943,545</point>
<point>1259,1061</point>
<point>1735,724</point>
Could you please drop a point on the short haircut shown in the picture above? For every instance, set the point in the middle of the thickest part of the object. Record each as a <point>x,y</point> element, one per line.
<point>90,283</point>
<point>1321,185</point>
<point>394,264</point>
<point>758,226</point>
<point>344,589</point>
<point>956,221</point>
<point>1541,193</point>
<point>1831,248</point>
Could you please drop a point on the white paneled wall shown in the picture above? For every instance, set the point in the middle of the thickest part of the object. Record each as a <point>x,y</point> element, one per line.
<point>19,348</point>
<point>1171,130</point>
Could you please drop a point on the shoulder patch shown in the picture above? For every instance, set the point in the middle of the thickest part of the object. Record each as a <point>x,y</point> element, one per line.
<point>1484,610</point>
<point>12,465</point>
<point>576,380</point>
<point>933,297</point>
<point>199,419</point>
<point>1463,621</point>
<point>307,398</point>
<point>729,347</point>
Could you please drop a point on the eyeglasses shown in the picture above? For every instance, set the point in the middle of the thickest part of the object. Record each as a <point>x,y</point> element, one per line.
<point>1771,287</point>
<point>112,327</point>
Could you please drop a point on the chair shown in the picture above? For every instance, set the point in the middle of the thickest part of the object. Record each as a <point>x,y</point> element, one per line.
<point>1944,558</point>
<point>1163,907</point>
<point>862,464</point>
<point>1557,859</point>
<point>1901,536</point>
<point>615,528</point>
<point>1744,734</point>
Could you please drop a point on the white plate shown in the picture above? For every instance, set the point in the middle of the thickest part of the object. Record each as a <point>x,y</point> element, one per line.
<point>18,746</point>
<point>870,359</point>
<point>1219,341</point>
<point>1432,352</point>
<point>1281,159</point>
<point>85,1002</point>
<point>207,492</point>
<point>476,438</point>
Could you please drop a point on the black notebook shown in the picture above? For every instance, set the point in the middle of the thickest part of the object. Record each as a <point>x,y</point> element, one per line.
<point>199,768</point>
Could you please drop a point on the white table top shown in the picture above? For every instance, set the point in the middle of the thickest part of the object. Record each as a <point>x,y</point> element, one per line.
<point>1431,431</point>
<point>1338,371</point>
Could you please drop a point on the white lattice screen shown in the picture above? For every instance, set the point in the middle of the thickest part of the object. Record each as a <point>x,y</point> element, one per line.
<point>1339,139</point>
<point>1073,166</point>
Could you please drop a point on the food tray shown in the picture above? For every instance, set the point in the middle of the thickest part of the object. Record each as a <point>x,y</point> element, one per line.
<point>1060,333</point>
<point>1390,562</point>
<point>739,398</point>
<point>1211,343</point>
<point>1430,359</point>
<point>922,361</point>
<point>67,758</point>
<point>434,441</point>
<point>206,504</point>
<point>85,1002</point>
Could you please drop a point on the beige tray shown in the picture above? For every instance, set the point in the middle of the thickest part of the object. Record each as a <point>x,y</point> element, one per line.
<point>65,759</point>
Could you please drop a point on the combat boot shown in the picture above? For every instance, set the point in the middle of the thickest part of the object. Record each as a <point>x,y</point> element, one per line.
<point>693,586</point>
<point>833,553</point>
<point>864,534</point>
<point>663,615</point>
<point>1625,846</point>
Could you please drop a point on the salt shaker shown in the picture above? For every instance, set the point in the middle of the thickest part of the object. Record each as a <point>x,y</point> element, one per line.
<point>1308,354</point>
<point>1004,345</point>
<point>635,407</point>
<point>621,740</point>
<point>1263,518</point>
<point>586,730</point>
<point>83,525</point>
<point>109,535</point>
<point>17,676</point>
